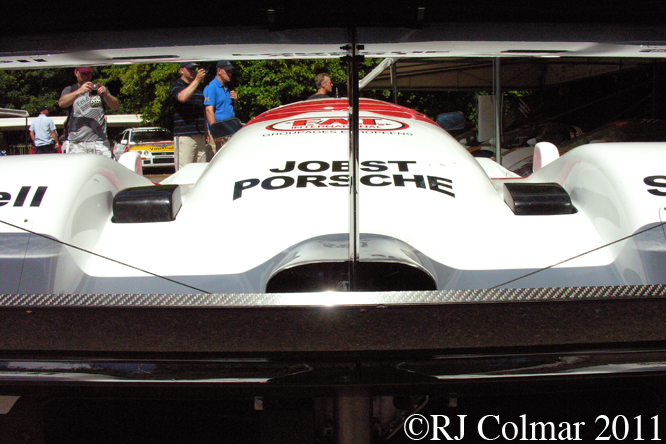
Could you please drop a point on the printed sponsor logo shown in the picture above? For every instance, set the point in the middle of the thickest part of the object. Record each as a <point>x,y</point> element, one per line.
<point>152,148</point>
<point>659,182</point>
<point>374,173</point>
<point>22,198</point>
<point>337,123</point>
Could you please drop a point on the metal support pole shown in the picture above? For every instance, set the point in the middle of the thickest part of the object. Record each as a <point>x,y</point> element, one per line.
<point>654,89</point>
<point>176,152</point>
<point>497,100</point>
<point>353,416</point>
<point>394,81</point>
<point>354,216</point>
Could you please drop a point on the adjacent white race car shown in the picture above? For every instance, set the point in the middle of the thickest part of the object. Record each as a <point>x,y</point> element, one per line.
<point>269,213</point>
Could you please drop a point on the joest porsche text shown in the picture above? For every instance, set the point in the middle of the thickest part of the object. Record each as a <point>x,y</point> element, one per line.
<point>434,183</point>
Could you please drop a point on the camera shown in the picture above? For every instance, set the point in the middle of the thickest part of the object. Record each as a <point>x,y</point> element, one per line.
<point>95,98</point>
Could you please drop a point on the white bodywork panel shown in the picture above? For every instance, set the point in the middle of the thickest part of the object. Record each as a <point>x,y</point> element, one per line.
<point>276,197</point>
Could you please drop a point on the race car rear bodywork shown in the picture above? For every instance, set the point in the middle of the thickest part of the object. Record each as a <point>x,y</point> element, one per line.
<point>269,214</point>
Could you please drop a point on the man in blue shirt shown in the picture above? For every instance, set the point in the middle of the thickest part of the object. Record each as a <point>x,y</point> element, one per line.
<point>219,101</point>
<point>43,133</point>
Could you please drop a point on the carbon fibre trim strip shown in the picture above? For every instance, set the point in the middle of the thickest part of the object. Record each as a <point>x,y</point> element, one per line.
<point>335,298</point>
<point>367,325</point>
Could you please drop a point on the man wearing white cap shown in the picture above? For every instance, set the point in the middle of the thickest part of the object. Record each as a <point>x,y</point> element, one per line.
<point>87,123</point>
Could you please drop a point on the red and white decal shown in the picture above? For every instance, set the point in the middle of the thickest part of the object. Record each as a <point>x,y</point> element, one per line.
<point>337,123</point>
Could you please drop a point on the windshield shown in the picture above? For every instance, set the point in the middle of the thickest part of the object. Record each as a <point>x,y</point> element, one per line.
<point>159,135</point>
<point>632,130</point>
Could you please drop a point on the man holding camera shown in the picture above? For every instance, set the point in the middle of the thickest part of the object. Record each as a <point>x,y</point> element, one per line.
<point>191,136</point>
<point>87,124</point>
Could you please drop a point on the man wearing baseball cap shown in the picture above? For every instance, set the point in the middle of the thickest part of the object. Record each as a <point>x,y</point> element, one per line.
<point>86,131</point>
<point>189,123</point>
<point>43,133</point>
<point>218,99</point>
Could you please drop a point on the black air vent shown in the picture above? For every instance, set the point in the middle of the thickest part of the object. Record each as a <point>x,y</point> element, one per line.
<point>537,199</point>
<point>159,203</point>
<point>334,276</point>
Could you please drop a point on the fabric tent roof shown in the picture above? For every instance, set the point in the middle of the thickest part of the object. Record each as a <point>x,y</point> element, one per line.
<point>450,74</point>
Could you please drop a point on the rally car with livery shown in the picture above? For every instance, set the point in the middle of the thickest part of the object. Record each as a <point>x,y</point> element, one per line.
<point>154,144</point>
<point>270,214</point>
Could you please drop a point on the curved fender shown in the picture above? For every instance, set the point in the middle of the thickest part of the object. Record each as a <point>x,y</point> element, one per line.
<point>132,161</point>
<point>544,153</point>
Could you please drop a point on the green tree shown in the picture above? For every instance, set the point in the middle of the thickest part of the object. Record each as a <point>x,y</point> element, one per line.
<point>261,85</point>
<point>143,89</point>
<point>266,84</point>
<point>29,89</point>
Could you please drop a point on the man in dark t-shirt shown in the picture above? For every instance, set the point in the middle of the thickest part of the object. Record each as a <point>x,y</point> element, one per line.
<point>191,134</point>
<point>324,86</point>
<point>86,132</point>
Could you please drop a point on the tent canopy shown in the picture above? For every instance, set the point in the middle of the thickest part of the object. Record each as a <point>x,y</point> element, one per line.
<point>476,74</point>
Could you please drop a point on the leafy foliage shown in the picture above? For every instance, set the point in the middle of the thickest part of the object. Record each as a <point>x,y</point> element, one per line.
<point>265,84</point>
<point>261,85</point>
<point>143,89</point>
<point>31,89</point>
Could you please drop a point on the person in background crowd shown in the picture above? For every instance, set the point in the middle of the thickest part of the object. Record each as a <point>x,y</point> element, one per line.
<point>64,144</point>
<point>218,99</point>
<point>43,133</point>
<point>190,131</point>
<point>324,86</point>
<point>87,123</point>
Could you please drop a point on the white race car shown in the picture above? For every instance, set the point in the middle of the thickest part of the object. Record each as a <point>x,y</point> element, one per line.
<point>578,357</point>
<point>270,214</point>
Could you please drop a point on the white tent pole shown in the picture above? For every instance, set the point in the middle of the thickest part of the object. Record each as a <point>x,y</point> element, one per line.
<point>394,81</point>
<point>497,99</point>
<point>375,72</point>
